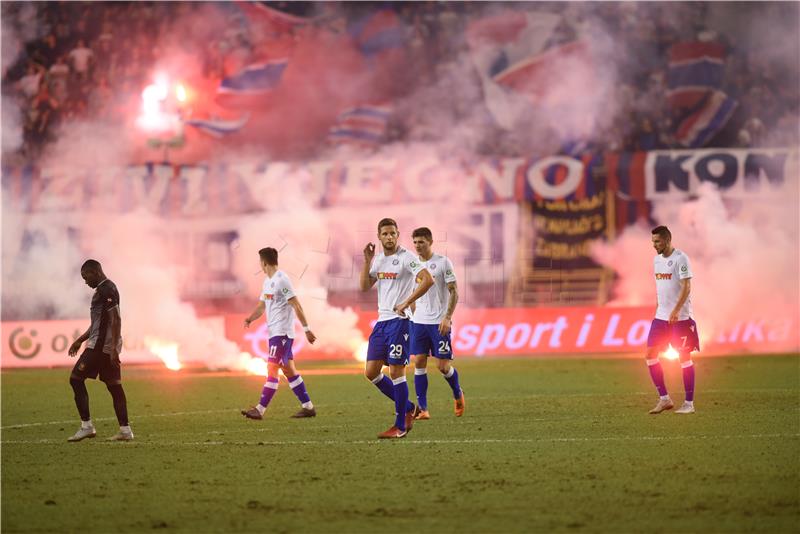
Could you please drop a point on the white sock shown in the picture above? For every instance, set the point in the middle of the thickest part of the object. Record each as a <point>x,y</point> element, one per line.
<point>87,424</point>
<point>690,403</point>
<point>308,405</point>
<point>261,409</point>
<point>664,397</point>
<point>126,429</point>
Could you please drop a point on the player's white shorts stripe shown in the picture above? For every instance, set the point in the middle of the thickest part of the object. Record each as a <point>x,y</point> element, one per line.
<point>296,382</point>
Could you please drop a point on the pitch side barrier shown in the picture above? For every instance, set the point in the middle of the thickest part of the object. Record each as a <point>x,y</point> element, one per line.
<point>476,332</point>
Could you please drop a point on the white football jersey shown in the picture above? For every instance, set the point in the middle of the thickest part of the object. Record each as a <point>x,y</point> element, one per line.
<point>669,272</point>
<point>275,293</point>
<point>432,306</point>
<point>396,275</point>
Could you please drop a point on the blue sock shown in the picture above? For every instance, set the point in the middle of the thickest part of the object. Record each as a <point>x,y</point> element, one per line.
<point>452,379</point>
<point>421,387</point>
<point>299,389</point>
<point>384,383</point>
<point>400,401</point>
<point>270,387</point>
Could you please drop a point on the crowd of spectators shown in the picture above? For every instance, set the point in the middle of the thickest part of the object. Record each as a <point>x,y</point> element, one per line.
<point>89,53</point>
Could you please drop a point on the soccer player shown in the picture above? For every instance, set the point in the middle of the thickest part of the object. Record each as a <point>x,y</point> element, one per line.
<point>281,304</point>
<point>430,328</point>
<point>673,323</point>
<point>101,355</point>
<point>395,271</point>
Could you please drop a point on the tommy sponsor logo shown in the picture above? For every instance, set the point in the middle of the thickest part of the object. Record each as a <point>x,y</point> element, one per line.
<point>663,276</point>
<point>387,276</point>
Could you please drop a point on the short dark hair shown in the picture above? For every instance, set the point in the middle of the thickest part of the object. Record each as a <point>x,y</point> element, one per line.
<point>423,231</point>
<point>386,222</point>
<point>269,255</point>
<point>662,232</point>
<point>91,265</point>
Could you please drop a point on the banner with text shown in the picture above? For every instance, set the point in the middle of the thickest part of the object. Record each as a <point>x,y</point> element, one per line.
<point>476,332</point>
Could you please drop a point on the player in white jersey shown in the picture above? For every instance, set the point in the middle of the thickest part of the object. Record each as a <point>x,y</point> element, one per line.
<point>394,270</point>
<point>281,304</point>
<point>673,324</point>
<point>431,323</point>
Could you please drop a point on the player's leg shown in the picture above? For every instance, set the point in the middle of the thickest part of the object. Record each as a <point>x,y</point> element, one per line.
<point>421,386</point>
<point>397,335</point>
<point>271,385</point>
<point>657,341</point>
<point>111,375</point>
<point>82,370</point>
<point>376,357</point>
<point>403,416</point>
<point>685,337</point>
<point>299,389</point>
<point>444,358</point>
<point>419,346</point>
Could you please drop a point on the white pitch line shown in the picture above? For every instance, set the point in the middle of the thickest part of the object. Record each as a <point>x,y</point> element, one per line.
<point>168,414</point>
<point>419,441</point>
<point>359,403</point>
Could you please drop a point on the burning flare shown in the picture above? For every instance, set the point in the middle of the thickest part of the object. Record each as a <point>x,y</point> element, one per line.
<point>670,353</point>
<point>166,350</point>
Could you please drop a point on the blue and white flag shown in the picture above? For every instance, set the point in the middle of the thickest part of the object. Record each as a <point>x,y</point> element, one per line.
<point>217,127</point>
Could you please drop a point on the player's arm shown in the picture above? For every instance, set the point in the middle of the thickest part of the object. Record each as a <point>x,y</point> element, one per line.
<point>298,310</point>
<point>686,288</point>
<point>256,313</point>
<point>366,280</point>
<point>425,283</point>
<point>76,345</point>
<point>116,332</point>
<point>444,326</point>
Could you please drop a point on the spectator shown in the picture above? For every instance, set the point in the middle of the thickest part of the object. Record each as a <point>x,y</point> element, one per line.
<point>30,84</point>
<point>81,57</point>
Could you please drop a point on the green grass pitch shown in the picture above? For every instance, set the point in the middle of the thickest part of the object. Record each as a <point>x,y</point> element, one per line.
<point>545,445</point>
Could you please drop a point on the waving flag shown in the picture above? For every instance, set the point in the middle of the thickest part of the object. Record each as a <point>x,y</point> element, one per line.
<point>267,19</point>
<point>251,83</point>
<point>701,125</point>
<point>510,53</point>
<point>217,127</point>
<point>364,125</point>
<point>695,69</point>
<point>378,32</point>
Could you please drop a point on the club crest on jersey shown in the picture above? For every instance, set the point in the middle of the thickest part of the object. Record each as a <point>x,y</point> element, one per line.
<point>396,262</point>
<point>663,276</point>
<point>669,263</point>
<point>387,276</point>
<point>272,284</point>
<point>432,266</point>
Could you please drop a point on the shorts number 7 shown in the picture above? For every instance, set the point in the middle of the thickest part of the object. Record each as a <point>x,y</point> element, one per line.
<point>684,341</point>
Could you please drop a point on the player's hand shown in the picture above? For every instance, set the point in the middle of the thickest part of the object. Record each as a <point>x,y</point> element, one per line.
<point>74,348</point>
<point>311,337</point>
<point>247,322</point>
<point>369,252</point>
<point>400,309</point>
<point>673,317</point>
<point>444,326</point>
